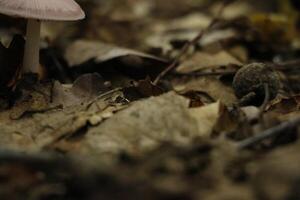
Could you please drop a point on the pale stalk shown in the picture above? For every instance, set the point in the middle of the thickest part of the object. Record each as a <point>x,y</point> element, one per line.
<point>32,47</point>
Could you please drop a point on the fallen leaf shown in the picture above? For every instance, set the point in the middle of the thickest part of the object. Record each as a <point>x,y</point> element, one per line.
<point>46,127</point>
<point>148,89</point>
<point>148,123</point>
<point>204,61</point>
<point>85,88</point>
<point>88,86</point>
<point>207,118</point>
<point>99,52</point>
<point>234,10</point>
<point>143,126</point>
<point>212,87</point>
<point>87,56</point>
<point>284,105</point>
<point>142,89</point>
<point>34,99</point>
<point>180,29</point>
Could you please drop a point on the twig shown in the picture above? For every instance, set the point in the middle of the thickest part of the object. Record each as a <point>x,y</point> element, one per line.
<point>181,54</point>
<point>35,159</point>
<point>102,96</point>
<point>193,42</point>
<point>287,65</point>
<point>274,131</point>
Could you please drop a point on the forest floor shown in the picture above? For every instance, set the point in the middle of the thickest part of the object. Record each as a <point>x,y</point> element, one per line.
<point>149,99</point>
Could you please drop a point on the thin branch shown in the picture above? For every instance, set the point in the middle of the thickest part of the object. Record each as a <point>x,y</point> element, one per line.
<point>191,43</point>
<point>287,65</point>
<point>42,159</point>
<point>269,133</point>
<point>102,96</point>
<point>181,54</point>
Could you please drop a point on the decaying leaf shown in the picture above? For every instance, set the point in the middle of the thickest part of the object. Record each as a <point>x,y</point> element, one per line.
<point>236,9</point>
<point>46,126</point>
<point>284,105</point>
<point>212,87</point>
<point>100,127</point>
<point>87,56</point>
<point>166,36</point>
<point>85,88</point>
<point>205,61</point>
<point>142,89</point>
<point>34,99</point>
<point>83,51</point>
<point>194,22</point>
<point>207,117</point>
<point>145,124</point>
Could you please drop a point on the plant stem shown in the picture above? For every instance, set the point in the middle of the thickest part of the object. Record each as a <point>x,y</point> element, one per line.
<point>276,130</point>
<point>32,46</point>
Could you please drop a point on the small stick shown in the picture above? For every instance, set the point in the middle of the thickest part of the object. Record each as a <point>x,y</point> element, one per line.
<point>194,41</point>
<point>37,159</point>
<point>287,65</point>
<point>182,53</point>
<point>102,96</point>
<point>279,129</point>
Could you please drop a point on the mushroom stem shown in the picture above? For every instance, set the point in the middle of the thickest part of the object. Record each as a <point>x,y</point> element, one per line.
<point>32,47</point>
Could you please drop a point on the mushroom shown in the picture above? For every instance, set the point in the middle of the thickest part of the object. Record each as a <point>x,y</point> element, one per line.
<point>35,11</point>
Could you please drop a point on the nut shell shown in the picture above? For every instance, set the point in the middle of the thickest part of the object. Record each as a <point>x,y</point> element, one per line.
<point>251,79</point>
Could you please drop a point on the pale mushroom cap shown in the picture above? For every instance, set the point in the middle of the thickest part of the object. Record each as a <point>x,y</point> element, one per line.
<point>59,10</point>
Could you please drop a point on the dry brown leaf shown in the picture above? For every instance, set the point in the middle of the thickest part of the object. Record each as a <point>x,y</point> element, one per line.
<point>44,128</point>
<point>284,105</point>
<point>144,125</point>
<point>148,123</point>
<point>234,10</point>
<point>85,88</point>
<point>213,39</point>
<point>165,34</point>
<point>34,99</point>
<point>195,21</point>
<point>82,51</point>
<point>213,87</point>
<point>207,117</point>
<point>205,61</point>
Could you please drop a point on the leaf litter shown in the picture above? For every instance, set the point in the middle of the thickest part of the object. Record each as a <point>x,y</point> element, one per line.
<point>139,102</point>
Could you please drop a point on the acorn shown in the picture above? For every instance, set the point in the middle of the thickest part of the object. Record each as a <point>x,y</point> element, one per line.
<point>249,83</point>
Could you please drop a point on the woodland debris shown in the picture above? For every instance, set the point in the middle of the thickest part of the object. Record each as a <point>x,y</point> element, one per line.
<point>251,79</point>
